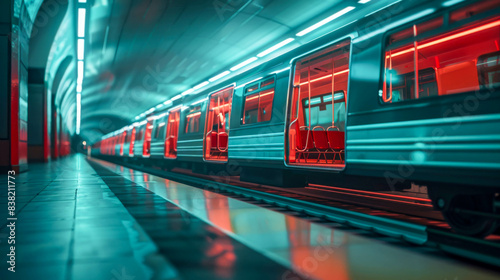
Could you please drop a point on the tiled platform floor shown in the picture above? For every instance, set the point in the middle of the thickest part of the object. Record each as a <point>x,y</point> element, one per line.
<point>102,221</point>
<point>71,226</point>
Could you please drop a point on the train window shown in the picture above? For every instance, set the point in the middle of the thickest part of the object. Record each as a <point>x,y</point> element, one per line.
<point>258,105</point>
<point>159,132</point>
<point>146,147</point>
<point>489,70</point>
<point>217,125</point>
<point>139,135</point>
<point>172,133</point>
<point>193,119</point>
<point>252,88</point>
<point>267,82</point>
<point>473,10</point>
<point>445,64</point>
<point>316,127</point>
<point>321,111</point>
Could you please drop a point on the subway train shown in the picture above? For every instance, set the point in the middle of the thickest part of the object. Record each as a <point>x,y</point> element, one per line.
<point>345,110</point>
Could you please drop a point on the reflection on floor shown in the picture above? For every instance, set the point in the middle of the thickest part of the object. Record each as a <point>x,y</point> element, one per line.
<point>102,221</point>
<point>197,249</point>
<point>314,250</point>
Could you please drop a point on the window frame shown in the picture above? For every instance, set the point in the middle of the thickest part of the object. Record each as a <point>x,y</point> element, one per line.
<point>444,28</point>
<point>259,90</point>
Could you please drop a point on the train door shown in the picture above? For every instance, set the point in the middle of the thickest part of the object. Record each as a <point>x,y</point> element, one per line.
<point>172,133</point>
<point>217,125</point>
<point>122,141</point>
<point>146,148</point>
<point>317,112</point>
<point>132,141</point>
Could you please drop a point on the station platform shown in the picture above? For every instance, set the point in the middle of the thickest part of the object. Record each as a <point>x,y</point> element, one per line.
<point>83,218</point>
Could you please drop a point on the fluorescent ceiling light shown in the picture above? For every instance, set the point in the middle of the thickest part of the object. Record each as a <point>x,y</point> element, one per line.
<point>325,21</point>
<point>187,92</point>
<point>363,1</point>
<point>178,96</point>
<point>137,117</point>
<point>81,49</point>
<point>215,78</point>
<point>78,88</point>
<point>82,1</point>
<point>244,63</point>
<point>451,3</point>
<point>201,85</point>
<point>168,102</point>
<point>81,22</point>
<point>275,47</point>
<point>79,78</point>
<point>159,106</point>
<point>78,112</point>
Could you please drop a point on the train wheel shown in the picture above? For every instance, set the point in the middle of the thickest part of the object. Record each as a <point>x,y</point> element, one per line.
<point>459,216</point>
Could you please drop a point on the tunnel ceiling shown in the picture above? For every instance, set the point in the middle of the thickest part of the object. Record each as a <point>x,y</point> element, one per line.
<point>143,52</point>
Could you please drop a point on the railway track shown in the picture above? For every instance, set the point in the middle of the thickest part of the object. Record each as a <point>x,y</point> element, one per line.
<point>415,230</point>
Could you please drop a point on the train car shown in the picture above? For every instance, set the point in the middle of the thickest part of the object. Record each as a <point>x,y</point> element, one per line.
<point>345,110</point>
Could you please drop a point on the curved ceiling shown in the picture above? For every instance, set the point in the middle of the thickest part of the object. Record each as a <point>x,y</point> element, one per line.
<point>142,52</point>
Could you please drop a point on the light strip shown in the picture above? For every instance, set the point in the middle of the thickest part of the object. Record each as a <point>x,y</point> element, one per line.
<point>78,112</point>
<point>215,78</point>
<point>244,63</point>
<point>325,21</point>
<point>167,103</point>
<point>78,87</point>
<point>257,96</point>
<point>187,92</point>
<point>82,1</point>
<point>159,106</point>
<point>178,96</point>
<point>81,49</point>
<point>384,7</point>
<point>193,115</point>
<point>363,1</point>
<point>201,85</point>
<point>275,47</point>
<point>81,22</point>
<point>451,3</point>
<point>448,38</point>
<point>326,77</point>
<point>137,117</point>
<point>79,78</point>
